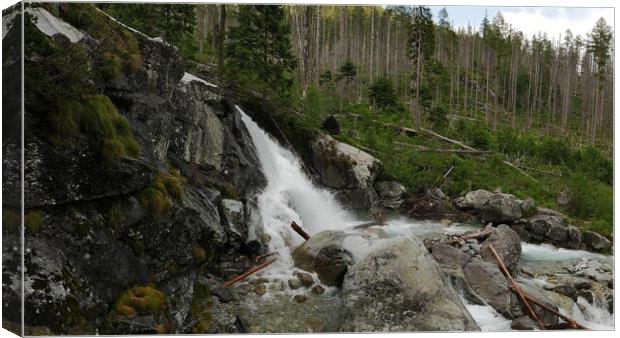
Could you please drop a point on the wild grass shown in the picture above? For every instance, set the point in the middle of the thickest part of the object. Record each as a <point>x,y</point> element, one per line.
<point>140,300</point>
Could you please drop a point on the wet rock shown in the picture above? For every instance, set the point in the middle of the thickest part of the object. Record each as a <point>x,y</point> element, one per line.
<point>401,288</point>
<point>234,220</point>
<point>596,241</point>
<point>318,289</point>
<point>294,283</point>
<point>501,208</point>
<point>315,314</point>
<point>488,282</point>
<point>323,253</point>
<point>523,323</point>
<point>537,293</point>
<point>305,278</point>
<point>260,290</point>
<point>300,298</point>
<point>507,243</point>
<point>225,295</point>
<point>391,194</point>
<point>446,254</point>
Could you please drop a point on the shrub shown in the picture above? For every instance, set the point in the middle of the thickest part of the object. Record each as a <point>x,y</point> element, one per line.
<point>381,93</point>
<point>593,201</point>
<point>553,150</point>
<point>140,300</point>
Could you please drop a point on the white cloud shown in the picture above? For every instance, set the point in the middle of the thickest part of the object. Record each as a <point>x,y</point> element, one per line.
<point>555,21</point>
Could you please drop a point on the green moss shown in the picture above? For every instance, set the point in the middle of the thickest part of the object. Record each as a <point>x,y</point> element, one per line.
<point>140,300</point>
<point>33,221</point>
<point>201,308</point>
<point>11,220</point>
<point>157,198</point>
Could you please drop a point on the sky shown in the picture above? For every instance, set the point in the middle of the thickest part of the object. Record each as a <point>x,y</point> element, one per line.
<point>531,20</point>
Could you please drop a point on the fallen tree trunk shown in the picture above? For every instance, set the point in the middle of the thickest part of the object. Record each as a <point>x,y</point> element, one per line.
<point>440,150</point>
<point>300,231</point>
<point>519,170</point>
<point>251,271</point>
<point>449,140</point>
<point>407,131</point>
<point>481,234</point>
<point>517,288</point>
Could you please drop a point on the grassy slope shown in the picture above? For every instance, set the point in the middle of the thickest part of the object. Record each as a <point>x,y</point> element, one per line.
<point>585,175</point>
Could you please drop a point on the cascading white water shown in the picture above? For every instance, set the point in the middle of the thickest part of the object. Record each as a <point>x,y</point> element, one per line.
<point>290,196</point>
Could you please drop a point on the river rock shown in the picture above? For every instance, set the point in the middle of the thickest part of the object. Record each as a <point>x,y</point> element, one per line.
<point>446,254</point>
<point>323,253</point>
<point>507,243</point>
<point>539,294</point>
<point>523,323</point>
<point>391,193</point>
<point>596,241</point>
<point>488,282</point>
<point>492,207</point>
<point>349,170</point>
<point>399,287</point>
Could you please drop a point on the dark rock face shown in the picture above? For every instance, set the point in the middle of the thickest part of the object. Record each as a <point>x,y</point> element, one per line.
<point>97,238</point>
<point>507,243</point>
<point>523,323</point>
<point>401,288</point>
<point>596,241</point>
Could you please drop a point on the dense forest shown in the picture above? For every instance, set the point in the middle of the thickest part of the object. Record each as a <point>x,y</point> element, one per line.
<point>539,109</point>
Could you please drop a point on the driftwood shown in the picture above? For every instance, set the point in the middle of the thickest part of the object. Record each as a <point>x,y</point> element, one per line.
<point>516,287</point>
<point>300,231</point>
<point>570,323</point>
<point>249,272</point>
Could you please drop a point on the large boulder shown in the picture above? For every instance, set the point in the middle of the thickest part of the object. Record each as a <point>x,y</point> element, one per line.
<point>507,243</point>
<point>488,282</point>
<point>349,170</point>
<point>399,287</point>
<point>494,207</point>
<point>324,254</point>
<point>596,241</point>
<point>391,193</point>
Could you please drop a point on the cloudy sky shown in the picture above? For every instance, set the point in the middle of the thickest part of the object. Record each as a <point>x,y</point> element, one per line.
<point>531,20</point>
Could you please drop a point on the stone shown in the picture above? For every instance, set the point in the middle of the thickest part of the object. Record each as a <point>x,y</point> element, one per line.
<point>474,199</point>
<point>528,207</point>
<point>540,295</point>
<point>391,194</point>
<point>294,283</point>
<point>501,208</point>
<point>349,170</point>
<point>318,289</point>
<point>488,282</point>
<point>323,253</point>
<point>399,287</point>
<point>305,278</point>
<point>234,220</point>
<point>446,254</point>
<point>596,241</point>
<point>523,323</point>
<point>225,295</point>
<point>300,298</point>
<point>507,243</point>
<point>260,289</point>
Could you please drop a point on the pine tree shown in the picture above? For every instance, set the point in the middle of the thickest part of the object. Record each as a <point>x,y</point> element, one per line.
<point>259,51</point>
<point>421,46</point>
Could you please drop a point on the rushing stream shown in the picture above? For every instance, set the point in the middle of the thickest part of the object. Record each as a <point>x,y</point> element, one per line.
<point>291,196</point>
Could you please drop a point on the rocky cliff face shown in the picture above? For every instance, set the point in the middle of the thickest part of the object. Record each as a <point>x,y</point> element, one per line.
<point>155,219</point>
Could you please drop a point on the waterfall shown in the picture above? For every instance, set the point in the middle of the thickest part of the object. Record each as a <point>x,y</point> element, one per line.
<point>290,196</point>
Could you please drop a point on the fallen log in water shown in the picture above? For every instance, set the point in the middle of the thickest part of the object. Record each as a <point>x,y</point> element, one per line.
<point>477,235</point>
<point>516,287</point>
<point>249,272</point>
<point>300,231</point>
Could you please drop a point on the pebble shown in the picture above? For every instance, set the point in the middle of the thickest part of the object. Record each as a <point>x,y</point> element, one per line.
<point>300,298</point>
<point>318,289</point>
<point>305,278</point>
<point>260,290</point>
<point>294,283</point>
